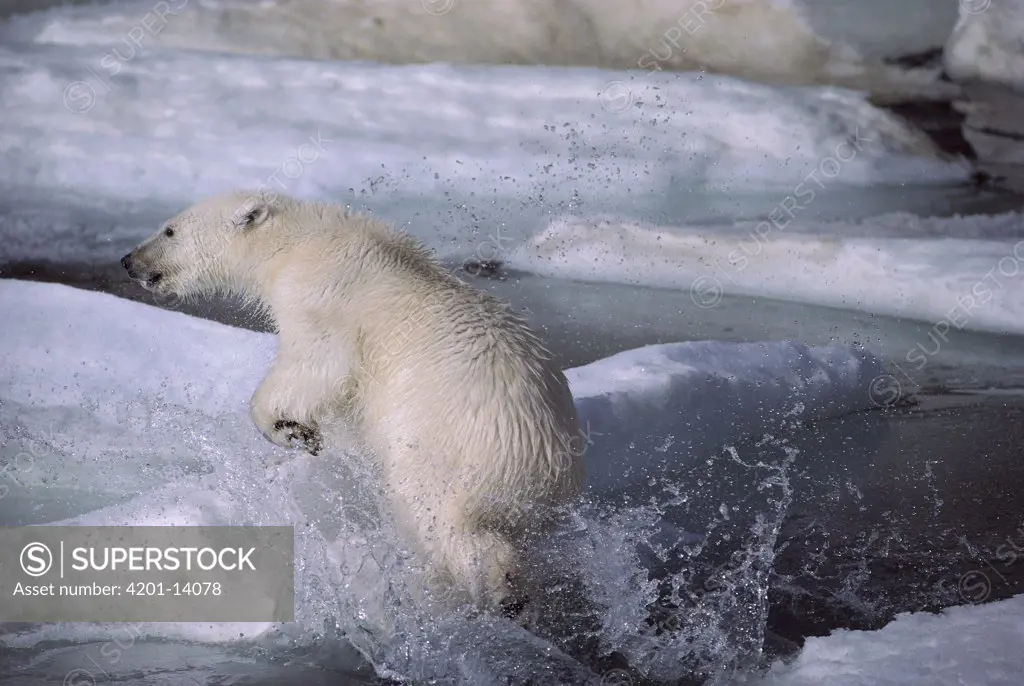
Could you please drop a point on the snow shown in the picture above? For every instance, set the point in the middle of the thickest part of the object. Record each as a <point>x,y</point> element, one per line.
<point>764,40</point>
<point>987,43</point>
<point>878,28</point>
<point>172,126</point>
<point>136,415</point>
<point>977,645</point>
<point>965,272</point>
<point>467,158</point>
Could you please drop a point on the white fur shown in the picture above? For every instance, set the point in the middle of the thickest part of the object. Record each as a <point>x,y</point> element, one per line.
<point>474,424</point>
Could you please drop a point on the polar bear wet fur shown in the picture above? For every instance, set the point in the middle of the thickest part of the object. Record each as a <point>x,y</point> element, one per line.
<point>472,421</point>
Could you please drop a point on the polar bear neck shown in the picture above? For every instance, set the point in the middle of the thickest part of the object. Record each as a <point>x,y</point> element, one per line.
<point>324,257</point>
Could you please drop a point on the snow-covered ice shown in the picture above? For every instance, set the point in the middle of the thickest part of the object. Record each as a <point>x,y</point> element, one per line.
<point>761,40</point>
<point>177,125</point>
<point>965,272</point>
<point>987,43</point>
<point>506,149</point>
<point>976,645</point>
<point>878,28</point>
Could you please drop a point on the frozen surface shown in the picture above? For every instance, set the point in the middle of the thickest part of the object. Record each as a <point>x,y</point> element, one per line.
<point>965,272</point>
<point>172,126</point>
<point>976,645</point>
<point>879,28</point>
<point>988,42</point>
<point>120,413</point>
<point>95,154</point>
<point>762,40</point>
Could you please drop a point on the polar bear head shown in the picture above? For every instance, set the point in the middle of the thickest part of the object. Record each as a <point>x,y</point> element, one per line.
<point>204,248</point>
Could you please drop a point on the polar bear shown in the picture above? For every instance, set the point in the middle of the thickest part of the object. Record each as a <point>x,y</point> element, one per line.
<point>472,422</point>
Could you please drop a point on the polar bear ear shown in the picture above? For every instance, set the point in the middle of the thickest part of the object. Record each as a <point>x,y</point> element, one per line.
<point>254,214</point>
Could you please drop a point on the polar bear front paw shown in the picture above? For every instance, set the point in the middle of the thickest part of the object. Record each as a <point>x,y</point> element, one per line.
<point>287,431</point>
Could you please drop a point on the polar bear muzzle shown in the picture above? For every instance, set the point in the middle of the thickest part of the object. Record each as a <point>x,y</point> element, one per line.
<point>141,272</point>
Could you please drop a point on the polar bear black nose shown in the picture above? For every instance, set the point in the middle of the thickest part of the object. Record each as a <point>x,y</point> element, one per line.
<point>126,262</point>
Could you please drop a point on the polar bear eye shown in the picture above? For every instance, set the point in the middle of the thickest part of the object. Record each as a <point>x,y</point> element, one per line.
<point>169,232</point>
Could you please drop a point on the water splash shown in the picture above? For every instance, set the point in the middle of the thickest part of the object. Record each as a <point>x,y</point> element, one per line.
<point>630,585</point>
